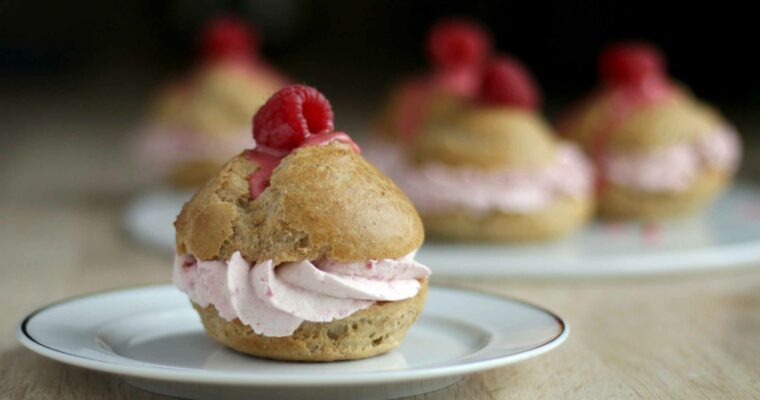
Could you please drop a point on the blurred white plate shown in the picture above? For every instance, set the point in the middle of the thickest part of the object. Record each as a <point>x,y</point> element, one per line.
<point>727,235</point>
<point>153,338</point>
<point>724,236</point>
<point>149,218</point>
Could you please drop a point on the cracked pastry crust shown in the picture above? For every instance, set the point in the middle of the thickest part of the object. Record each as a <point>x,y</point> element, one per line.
<point>365,216</point>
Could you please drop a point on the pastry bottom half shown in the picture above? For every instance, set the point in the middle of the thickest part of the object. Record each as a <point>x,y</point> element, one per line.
<point>561,217</point>
<point>616,202</point>
<point>366,333</point>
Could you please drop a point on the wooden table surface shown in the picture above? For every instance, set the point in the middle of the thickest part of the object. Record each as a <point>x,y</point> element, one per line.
<point>65,179</point>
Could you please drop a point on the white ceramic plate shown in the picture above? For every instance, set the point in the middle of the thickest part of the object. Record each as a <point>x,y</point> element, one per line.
<point>727,235</point>
<point>724,236</point>
<point>153,338</point>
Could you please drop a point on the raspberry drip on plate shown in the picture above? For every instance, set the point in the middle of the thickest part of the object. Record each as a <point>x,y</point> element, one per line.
<point>295,116</point>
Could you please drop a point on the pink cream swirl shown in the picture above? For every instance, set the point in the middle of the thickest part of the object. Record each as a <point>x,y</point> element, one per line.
<point>675,167</point>
<point>435,187</point>
<point>275,300</point>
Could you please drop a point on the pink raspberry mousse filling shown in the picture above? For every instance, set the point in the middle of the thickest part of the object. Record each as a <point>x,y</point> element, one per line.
<point>275,300</point>
<point>674,168</point>
<point>435,187</point>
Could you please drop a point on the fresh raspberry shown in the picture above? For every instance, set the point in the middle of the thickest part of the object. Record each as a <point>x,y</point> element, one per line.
<point>290,116</point>
<point>630,64</point>
<point>457,43</point>
<point>228,37</point>
<point>506,81</point>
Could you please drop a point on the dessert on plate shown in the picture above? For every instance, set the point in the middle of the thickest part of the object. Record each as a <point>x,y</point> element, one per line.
<point>494,170</point>
<point>299,249</point>
<point>201,120</point>
<point>659,152</point>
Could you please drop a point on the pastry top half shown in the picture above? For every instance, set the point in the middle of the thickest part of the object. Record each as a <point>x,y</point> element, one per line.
<point>675,118</point>
<point>489,138</point>
<point>323,201</point>
<point>638,107</point>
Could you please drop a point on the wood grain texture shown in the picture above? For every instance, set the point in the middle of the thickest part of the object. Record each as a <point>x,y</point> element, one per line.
<point>679,337</point>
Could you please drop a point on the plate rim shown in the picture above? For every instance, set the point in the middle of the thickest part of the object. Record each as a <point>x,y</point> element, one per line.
<point>155,372</point>
<point>727,257</point>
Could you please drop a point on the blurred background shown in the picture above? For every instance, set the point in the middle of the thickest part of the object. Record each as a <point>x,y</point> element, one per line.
<point>363,46</point>
<point>89,68</point>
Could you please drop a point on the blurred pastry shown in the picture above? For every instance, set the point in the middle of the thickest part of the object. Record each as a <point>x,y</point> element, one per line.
<point>659,152</point>
<point>492,169</point>
<point>202,120</point>
<point>300,249</point>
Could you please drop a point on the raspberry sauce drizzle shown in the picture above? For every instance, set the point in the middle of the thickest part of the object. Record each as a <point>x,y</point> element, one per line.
<point>268,159</point>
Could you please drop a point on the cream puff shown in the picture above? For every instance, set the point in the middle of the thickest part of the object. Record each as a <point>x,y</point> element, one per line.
<point>659,152</point>
<point>465,143</point>
<point>300,249</point>
<point>200,121</point>
<point>492,168</point>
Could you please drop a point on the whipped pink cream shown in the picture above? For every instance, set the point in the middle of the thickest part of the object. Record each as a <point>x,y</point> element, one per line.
<point>674,168</point>
<point>275,299</point>
<point>436,187</point>
<point>162,148</point>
